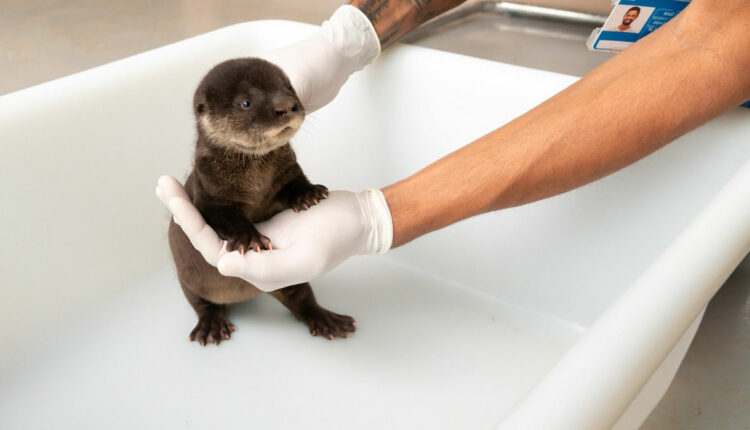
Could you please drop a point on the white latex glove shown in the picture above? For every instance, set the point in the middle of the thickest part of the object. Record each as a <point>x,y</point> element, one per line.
<point>305,244</point>
<point>319,65</point>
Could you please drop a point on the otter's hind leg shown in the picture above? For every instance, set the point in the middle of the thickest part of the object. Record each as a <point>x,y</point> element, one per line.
<point>301,302</point>
<point>212,325</point>
<point>193,271</point>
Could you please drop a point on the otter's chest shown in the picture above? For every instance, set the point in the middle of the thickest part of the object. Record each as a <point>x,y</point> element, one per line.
<point>258,192</point>
<point>252,183</point>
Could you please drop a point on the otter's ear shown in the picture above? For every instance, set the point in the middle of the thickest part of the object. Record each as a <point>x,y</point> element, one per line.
<point>200,108</point>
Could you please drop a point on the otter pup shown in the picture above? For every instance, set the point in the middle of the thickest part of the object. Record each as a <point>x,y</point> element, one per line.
<point>245,172</point>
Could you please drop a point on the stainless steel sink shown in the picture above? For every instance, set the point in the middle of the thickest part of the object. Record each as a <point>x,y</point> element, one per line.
<point>531,36</point>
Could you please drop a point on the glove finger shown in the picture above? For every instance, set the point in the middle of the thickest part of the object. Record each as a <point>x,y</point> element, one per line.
<point>168,187</point>
<point>271,270</point>
<point>289,60</point>
<point>201,235</point>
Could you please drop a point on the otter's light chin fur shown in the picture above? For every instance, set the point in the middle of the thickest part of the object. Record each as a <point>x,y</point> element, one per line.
<point>221,134</point>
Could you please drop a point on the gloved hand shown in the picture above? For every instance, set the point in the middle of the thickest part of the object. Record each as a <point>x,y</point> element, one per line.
<point>305,244</point>
<point>319,65</point>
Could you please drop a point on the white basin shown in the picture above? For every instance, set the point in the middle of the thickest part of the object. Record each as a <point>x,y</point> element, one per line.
<point>454,329</point>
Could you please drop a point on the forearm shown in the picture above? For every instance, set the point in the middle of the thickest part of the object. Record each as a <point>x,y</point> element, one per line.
<point>676,79</point>
<point>394,18</point>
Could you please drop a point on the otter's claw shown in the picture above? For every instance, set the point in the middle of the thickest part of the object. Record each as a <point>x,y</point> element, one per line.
<point>248,240</point>
<point>212,329</point>
<point>309,197</point>
<point>330,324</point>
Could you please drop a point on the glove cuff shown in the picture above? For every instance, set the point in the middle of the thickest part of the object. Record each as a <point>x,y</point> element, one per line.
<point>378,216</point>
<point>352,33</point>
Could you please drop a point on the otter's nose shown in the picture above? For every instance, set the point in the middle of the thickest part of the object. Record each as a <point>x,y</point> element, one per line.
<point>284,105</point>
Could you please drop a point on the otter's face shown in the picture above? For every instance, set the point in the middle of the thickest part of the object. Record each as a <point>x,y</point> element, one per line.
<point>248,105</point>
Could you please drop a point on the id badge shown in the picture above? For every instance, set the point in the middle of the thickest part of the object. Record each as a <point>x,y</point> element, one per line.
<point>632,20</point>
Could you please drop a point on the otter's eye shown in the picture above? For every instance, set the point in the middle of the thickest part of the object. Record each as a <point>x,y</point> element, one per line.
<point>245,104</point>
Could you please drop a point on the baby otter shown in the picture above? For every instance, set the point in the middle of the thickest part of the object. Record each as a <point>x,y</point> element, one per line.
<point>245,172</point>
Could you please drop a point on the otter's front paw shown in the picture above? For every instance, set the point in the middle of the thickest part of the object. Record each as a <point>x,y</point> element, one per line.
<point>248,240</point>
<point>212,328</point>
<point>308,197</point>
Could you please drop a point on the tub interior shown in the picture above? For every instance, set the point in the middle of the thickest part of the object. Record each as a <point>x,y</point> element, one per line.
<point>453,329</point>
<point>427,354</point>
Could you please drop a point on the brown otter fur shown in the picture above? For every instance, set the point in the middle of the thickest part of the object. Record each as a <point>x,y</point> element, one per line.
<point>245,172</point>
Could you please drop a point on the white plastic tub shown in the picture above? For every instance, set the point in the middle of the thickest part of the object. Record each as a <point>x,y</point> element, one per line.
<point>533,317</point>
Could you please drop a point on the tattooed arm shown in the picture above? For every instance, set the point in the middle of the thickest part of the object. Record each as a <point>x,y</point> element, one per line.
<point>394,18</point>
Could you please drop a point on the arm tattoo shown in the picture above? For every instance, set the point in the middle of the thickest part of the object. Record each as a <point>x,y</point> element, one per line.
<point>421,5</point>
<point>394,18</point>
<point>372,9</point>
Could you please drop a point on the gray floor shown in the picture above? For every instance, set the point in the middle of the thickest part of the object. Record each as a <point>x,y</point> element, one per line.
<point>712,387</point>
<point>45,39</point>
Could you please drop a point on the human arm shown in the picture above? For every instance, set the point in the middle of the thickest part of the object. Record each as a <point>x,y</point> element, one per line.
<point>394,18</point>
<point>691,70</point>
